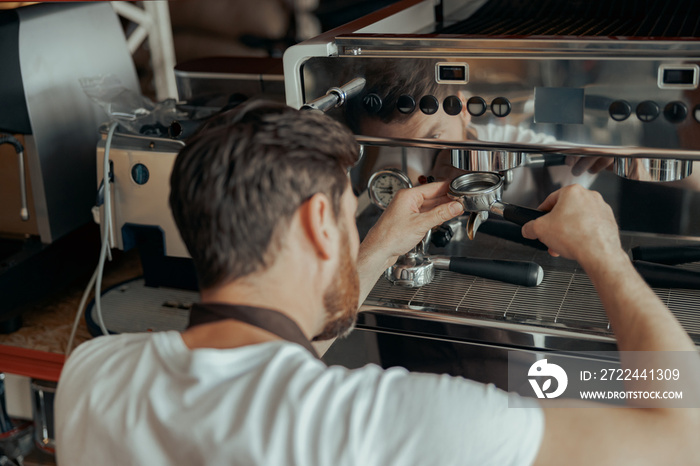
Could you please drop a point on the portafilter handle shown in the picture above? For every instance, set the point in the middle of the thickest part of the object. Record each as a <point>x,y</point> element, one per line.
<point>523,273</point>
<point>514,213</point>
<point>336,96</point>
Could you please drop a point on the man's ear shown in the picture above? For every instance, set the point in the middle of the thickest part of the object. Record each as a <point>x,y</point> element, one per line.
<point>464,114</point>
<point>319,224</point>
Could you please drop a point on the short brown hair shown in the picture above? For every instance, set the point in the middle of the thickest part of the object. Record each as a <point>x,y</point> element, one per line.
<point>239,180</point>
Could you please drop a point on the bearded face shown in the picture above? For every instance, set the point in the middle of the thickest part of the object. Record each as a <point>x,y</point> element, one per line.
<point>341,298</point>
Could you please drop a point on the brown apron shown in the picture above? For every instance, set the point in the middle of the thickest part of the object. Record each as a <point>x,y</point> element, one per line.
<point>266,319</point>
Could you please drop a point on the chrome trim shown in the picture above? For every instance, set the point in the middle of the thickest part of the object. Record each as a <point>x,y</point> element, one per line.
<point>665,66</point>
<point>231,76</point>
<point>438,65</point>
<point>487,160</point>
<point>476,191</point>
<point>447,46</point>
<point>557,148</point>
<point>652,169</point>
<point>414,321</point>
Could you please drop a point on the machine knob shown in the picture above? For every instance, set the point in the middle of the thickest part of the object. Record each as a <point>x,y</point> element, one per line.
<point>647,111</point>
<point>675,112</point>
<point>452,105</point>
<point>620,110</point>
<point>428,104</point>
<point>405,104</point>
<point>476,106</point>
<point>372,103</point>
<point>500,106</point>
<point>140,174</point>
<point>441,236</point>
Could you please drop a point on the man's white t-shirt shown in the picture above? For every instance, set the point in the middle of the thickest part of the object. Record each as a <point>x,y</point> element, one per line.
<point>147,399</point>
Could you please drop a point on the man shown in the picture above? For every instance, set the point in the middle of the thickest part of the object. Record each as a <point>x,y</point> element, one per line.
<point>264,205</point>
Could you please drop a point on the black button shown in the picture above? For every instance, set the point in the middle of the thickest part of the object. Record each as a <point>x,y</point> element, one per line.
<point>647,111</point>
<point>372,103</point>
<point>675,112</point>
<point>452,105</point>
<point>500,106</point>
<point>620,110</point>
<point>428,104</point>
<point>476,106</point>
<point>406,104</point>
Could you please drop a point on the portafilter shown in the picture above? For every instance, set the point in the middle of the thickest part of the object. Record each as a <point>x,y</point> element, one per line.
<point>480,193</point>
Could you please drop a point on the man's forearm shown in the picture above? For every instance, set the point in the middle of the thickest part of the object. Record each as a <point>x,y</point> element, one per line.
<point>640,320</point>
<point>371,263</point>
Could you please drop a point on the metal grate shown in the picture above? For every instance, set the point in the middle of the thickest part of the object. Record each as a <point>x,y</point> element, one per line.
<point>566,296</point>
<point>583,18</point>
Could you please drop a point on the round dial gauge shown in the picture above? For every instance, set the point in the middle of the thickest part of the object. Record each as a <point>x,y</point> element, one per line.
<point>384,184</point>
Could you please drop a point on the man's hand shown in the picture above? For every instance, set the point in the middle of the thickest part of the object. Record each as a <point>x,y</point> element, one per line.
<point>403,225</point>
<point>410,215</point>
<point>580,226</point>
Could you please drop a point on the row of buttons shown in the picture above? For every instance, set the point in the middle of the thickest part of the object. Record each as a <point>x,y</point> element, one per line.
<point>452,105</point>
<point>647,111</point>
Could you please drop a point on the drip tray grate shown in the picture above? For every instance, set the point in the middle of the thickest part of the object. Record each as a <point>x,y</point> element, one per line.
<point>566,297</point>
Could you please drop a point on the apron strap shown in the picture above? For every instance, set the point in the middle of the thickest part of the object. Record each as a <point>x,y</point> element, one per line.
<point>266,319</point>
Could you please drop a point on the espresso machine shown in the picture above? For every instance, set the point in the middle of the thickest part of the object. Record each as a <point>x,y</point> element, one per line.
<point>49,131</point>
<point>505,98</point>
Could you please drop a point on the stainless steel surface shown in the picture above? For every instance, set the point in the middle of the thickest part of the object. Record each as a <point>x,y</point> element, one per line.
<point>336,96</point>
<point>411,270</point>
<point>58,45</point>
<point>580,85</point>
<point>476,191</point>
<point>560,84</point>
<point>486,161</point>
<point>652,169</point>
<point>565,303</point>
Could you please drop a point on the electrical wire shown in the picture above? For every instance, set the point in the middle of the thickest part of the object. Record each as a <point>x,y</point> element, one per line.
<point>96,279</point>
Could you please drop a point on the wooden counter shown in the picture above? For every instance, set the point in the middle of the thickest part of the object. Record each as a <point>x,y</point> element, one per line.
<point>37,349</point>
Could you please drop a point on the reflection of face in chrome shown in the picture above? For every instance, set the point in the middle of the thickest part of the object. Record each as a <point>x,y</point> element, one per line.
<point>439,125</point>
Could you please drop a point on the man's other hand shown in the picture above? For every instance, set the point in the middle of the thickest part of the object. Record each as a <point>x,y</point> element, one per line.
<point>410,215</point>
<point>579,225</point>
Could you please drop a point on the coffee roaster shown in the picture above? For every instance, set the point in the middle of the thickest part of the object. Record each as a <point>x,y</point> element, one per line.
<point>511,91</point>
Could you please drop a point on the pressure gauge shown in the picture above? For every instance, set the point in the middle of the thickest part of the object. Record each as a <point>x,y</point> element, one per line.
<point>384,184</point>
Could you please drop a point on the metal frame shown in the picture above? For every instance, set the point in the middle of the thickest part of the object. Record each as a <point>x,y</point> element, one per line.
<point>153,22</point>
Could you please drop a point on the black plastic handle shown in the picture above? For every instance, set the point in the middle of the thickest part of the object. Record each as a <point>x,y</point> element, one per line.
<point>520,215</point>
<point>522,273</point>
<point>509,231</point>
<point>667,276</point>
<point>667,254</point>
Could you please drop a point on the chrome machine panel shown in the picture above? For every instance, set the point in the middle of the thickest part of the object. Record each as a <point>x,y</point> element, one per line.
<point>497,83</point>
